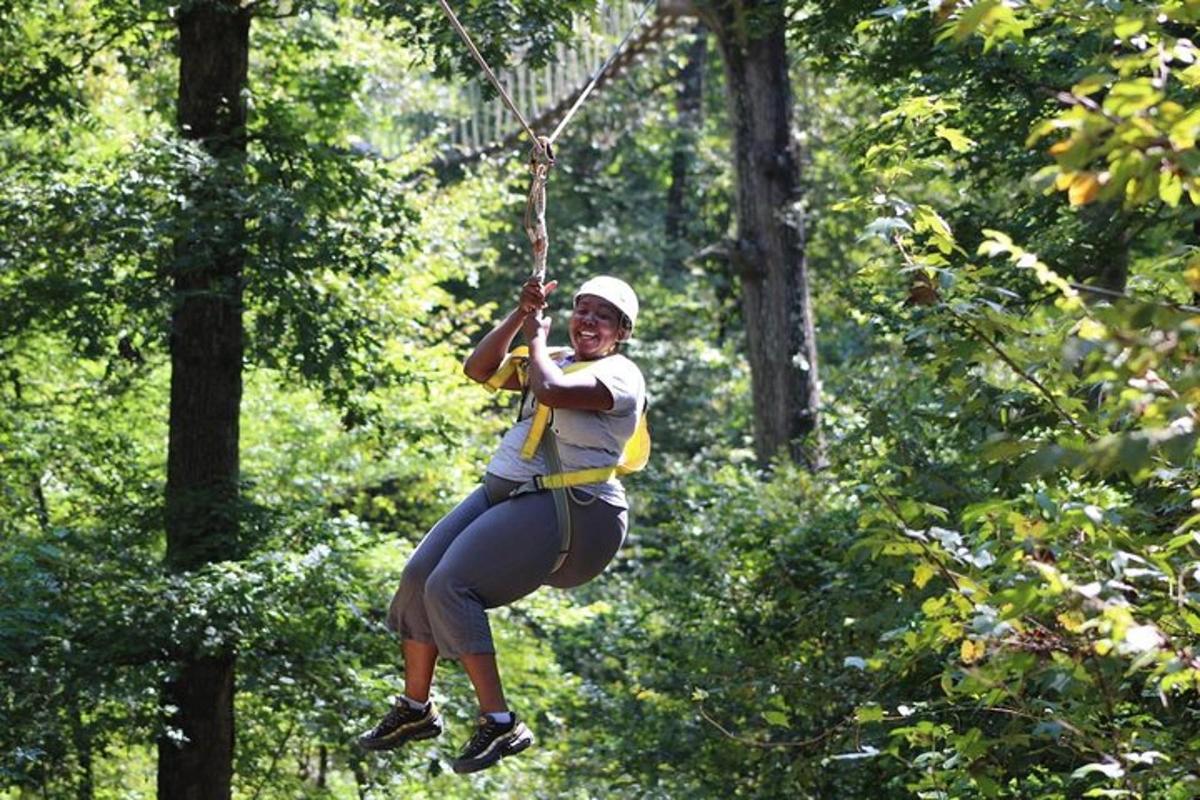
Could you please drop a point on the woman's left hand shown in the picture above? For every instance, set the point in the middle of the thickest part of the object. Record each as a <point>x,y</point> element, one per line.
<point>536,327</point>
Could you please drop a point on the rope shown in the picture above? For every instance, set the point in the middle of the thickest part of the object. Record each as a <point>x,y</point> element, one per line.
<point>491,76</point>
<point>542,156</point>
<point>540,161</point>
<point>599,73</point>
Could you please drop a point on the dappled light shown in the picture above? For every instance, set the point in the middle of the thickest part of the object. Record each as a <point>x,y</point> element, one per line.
<point>579,399</point>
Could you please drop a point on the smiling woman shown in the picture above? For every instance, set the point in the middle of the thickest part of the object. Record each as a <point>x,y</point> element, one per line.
<point>550,511</point>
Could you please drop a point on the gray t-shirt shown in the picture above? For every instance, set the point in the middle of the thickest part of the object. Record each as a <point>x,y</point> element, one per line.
<point>586,439</point>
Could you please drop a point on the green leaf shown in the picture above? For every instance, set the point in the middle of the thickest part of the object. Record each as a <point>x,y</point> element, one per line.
<point>959,141</point>
<point>1131,96</point>
<point>1092,84</point>
<point>776,718</point>
<point>1170,189</point>
<point>869,713</point>
<point>1126,27</point>
<point>973,18</point>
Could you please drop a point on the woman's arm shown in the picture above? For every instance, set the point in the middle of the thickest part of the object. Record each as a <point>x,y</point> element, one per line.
<point>486,357</point>
<point>550,385</point>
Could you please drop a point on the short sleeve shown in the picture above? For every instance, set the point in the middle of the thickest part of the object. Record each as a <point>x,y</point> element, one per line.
<point>624,382</point>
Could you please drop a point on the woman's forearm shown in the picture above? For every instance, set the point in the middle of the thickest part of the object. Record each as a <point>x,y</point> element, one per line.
<point>486,357</point>
<point>553,387</point>
<point>543,372</point>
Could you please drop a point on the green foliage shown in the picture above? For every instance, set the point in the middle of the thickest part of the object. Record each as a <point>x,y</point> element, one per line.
<point>1034,472</point>
<point>990,592</point>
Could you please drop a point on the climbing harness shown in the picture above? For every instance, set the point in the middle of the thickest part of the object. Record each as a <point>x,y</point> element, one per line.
<point>541,435</point>
<point>633,457</point>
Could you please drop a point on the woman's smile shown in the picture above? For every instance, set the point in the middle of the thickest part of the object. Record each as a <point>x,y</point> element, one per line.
<point>595,327</point>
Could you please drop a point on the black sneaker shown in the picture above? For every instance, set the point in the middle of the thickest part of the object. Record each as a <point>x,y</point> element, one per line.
<point>401,724</point>
<point>492,741</point>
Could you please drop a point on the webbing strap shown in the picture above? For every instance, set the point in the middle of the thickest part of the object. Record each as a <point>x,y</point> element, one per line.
<point>541,418</point>
<point>562,503</point>
<point>516,362</point>
<point>565,480</point>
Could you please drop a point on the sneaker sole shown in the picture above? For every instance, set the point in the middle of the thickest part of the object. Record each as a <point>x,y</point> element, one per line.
<point>519,741</point>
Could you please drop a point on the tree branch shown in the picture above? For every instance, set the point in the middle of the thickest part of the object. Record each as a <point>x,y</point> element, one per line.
<point>1015,367</point>
<point>767,744</point>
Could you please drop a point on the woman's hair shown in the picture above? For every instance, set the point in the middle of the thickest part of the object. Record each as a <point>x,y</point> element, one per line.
<point>626,323</point>
<point>625,327</point>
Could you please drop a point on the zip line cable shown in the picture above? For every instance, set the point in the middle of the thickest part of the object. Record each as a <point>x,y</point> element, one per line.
<point>600,72</point>
<point>1115,295</point>
<point>495,81</point>
<point>487,70</point>
<point>542,157</point>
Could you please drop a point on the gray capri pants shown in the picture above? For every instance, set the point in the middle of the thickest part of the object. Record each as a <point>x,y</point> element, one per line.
<point>490,550</point>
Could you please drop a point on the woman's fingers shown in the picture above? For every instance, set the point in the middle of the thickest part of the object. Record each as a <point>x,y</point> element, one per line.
<point>533,295</point>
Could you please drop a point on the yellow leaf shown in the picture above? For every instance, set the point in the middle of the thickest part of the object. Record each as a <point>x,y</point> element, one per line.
<point>1091,330</point>
<point>1063,180</point>
<point>1084,189</point>
<point>1058,148</point>
<point>1072,621</point>
<point>972,651</point>
<point>1192,275</point>
<point>1184,130</point>
<point>1170,189</point>
<point>1128,97</point>
<point>1190,76</point>
<point>1091,84</point>
<point>959,141</point>
<point>921,575</point>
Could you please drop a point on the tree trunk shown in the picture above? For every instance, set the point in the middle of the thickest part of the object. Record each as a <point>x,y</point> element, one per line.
<point>1110,235</point>
<point>769,255</point>
<point>82,738</point>
<point>196,753</point>
<point>689,120</point>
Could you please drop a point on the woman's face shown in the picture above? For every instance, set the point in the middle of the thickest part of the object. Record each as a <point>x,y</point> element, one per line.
<point>595,327</point>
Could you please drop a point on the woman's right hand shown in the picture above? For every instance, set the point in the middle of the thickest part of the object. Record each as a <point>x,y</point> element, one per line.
<point>533,296</point>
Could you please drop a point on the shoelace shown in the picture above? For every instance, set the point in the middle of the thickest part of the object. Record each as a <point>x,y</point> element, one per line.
<point>396,715</point>
<point>482,735</point>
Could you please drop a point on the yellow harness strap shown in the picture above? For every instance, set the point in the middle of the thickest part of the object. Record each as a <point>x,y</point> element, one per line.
<point>541,418</point>
<point>516,362</point>
<point>633,459</point>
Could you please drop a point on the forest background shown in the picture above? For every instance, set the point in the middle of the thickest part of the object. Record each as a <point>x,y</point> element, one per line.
<point>233,304</point>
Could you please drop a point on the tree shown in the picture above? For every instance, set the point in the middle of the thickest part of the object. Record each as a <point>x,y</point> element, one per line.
<point>206,344</point>
<point>769,251</point>
<point>689,117</point>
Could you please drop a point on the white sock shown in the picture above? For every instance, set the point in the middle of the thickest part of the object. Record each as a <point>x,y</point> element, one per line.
<point>503,717</point>
<point>414,704</point>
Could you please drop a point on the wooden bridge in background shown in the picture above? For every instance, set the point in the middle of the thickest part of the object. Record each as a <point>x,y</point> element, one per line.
<point>483,126</point>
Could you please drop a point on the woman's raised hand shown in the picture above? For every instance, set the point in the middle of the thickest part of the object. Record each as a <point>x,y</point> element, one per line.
<point>533,296</point>
<point>536,326</point>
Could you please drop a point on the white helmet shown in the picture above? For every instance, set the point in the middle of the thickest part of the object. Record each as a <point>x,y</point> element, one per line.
<point>615,291</point>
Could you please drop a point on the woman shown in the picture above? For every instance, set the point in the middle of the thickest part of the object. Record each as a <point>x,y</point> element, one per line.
<point>505,540</point>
